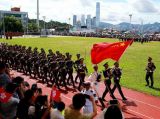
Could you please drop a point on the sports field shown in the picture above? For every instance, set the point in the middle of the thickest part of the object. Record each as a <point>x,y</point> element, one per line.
<point>133,61</point>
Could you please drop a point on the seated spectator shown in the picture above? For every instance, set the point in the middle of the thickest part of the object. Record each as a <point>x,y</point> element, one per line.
<point>37,111</point>
<point>39,91</point>
<point>26,85</point>
<point>55,96</point>
<point>25,103</point>
<point>57,113</point>
<point>8,110</point>
<point>7,71</point>
<point>4,78</point>
<point>21,88</point>
<point>34,88</point>
<point>112,112</point>
<point>78,101</point>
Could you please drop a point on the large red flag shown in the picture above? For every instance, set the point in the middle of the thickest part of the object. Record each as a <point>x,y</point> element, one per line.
<point>4,96</point>
<point>104,51</point>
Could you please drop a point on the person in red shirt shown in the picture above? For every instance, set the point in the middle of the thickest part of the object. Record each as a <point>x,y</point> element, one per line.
<point>55,96</point>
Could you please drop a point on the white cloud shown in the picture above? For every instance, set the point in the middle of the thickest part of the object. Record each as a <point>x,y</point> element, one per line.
<point>113,11</point>
<point>145,6</point>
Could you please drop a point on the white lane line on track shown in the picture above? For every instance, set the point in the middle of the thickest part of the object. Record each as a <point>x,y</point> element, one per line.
<point>66,97</point>
<point>145,103</point>
<point>133,99</point>
<point>140,114</point>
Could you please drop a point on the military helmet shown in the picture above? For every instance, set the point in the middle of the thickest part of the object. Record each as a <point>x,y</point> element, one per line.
<point>105,64</point>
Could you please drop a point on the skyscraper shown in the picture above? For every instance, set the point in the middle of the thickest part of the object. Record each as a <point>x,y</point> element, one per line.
<point>74,20</point>
<point>88,21</point>
<point>93,23</point>
<point>83,20</point>
<point>97,14</point>
<point>78,26</point>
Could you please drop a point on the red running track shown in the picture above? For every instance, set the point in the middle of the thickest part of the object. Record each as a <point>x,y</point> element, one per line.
<point>138,105</point>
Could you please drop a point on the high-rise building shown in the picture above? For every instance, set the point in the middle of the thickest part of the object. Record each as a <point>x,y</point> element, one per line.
<point>78,26</point>
<point>83,20</point>
<point>93,22</point>
<point>97,14</point>
<point>74,20</point>
<point>88,21</point>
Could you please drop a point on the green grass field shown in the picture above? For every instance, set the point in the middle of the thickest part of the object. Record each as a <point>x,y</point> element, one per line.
<point>133,61</point>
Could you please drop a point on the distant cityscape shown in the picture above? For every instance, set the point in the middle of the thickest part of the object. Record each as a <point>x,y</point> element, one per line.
<point>87,23</point>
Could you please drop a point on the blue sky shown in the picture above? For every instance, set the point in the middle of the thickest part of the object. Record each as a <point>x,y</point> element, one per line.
<point>112,11</point>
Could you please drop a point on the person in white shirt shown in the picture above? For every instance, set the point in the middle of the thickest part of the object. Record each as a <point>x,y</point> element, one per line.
<point>57,113</point>
<point>88,91</point>
<point>95,78</point>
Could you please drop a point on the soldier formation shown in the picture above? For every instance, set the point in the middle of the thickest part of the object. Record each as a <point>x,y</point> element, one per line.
<point>52,68</point>
<point>136,39</point>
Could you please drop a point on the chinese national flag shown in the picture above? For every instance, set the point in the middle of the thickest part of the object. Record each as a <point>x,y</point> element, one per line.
<point>55,94</point>
<point>104,51</point>
<point>4,96</point>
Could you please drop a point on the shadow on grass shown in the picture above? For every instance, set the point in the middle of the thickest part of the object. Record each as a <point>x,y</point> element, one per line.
<point>155,88</point>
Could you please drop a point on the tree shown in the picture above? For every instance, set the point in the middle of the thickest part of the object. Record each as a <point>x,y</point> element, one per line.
<point>32,27</point>
<point>1,27</point>
<point>13,24</point>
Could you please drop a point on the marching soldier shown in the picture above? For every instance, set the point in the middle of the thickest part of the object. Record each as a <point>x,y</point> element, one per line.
<point>36,67</point>
<point>62,73</point>
<point>50,55</point>
<point>22,62</point>
<point>76,64</point>
<point>82,70</point>
<point>67,56</point>
<point>29,65</point>
<point>149,74</point>
<point>45,72</point>
<point>107,75</point>
<point>116,72</point>
<point>69,64</point>
<point>54,73</point>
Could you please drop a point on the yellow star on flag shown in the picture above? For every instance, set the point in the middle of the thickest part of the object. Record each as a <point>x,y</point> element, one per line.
<point>122,44</point>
